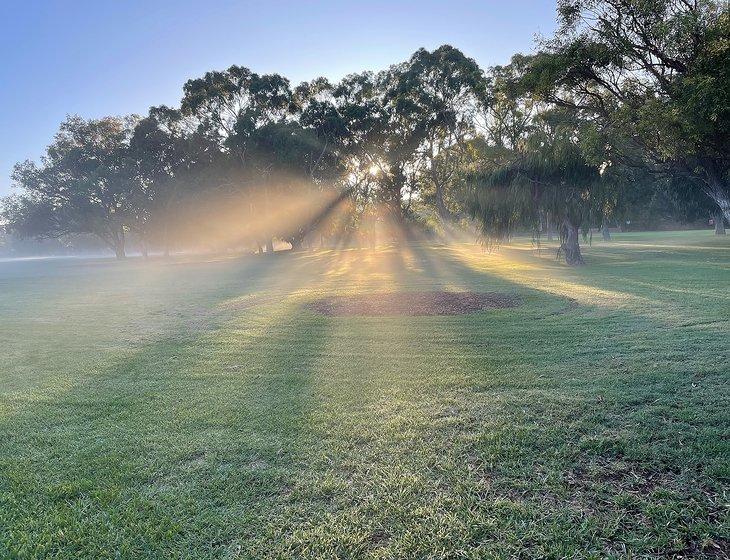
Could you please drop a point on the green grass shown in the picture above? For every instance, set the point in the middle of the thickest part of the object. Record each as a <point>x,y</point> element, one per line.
<point>194,409</point>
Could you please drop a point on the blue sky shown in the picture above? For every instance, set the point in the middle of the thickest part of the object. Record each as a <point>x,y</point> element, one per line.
<point>109,57</point>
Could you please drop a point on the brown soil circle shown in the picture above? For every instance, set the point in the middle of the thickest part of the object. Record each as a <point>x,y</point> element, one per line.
<point>412,304</point>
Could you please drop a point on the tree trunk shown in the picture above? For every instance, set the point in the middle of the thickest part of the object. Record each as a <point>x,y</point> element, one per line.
<point>119,246</point>
<point>443,212</point>
<point>395,209</point>
<point>719,192</point>
<point>548,226</point>
<point>166,240</point>
<point>604,231</point>
<point>117,242</point>
<point>297,243</point>
<point>719,223</point>
<point>269,245</point>
<point>393,191</point>
<point>569,245</point>
<point>145,252</point>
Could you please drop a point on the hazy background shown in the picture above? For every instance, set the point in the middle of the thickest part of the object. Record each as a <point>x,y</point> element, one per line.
<point>109,58</point>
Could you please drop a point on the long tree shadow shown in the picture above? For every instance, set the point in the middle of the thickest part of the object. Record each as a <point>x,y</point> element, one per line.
<point>209,417</point>
<point>270,431</point>
<point>427,409</point>
<point>586,383</point>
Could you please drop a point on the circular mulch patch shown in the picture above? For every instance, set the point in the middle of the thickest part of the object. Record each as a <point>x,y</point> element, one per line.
<point>412,303</point>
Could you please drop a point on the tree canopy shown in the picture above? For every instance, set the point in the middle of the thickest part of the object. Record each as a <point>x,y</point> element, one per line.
<point>627,103</point>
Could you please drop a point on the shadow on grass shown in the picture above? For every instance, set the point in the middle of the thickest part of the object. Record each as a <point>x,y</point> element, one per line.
<point>269,431</point>
<point>189,441</point>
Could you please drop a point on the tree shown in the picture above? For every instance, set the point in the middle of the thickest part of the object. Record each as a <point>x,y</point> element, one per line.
<point>548,172</point>
<point>654,72</point>
<point>230,106</point>
<point>441,90</point>
<point>384,134</point>
<point>390,134</point>
<point>329,155</point>
<point>83,184</point>
<point>358,103</point>
<point>166,153</point>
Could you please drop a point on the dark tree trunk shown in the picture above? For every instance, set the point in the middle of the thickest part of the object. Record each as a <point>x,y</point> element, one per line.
<point>119,248</point>
<point>548,226</point>
<point>719,192</point>
<point>397,220</point>
<point>719,223</point>
<point>269,245</point>
<point>395,208</point>
<point>443,212</point>
<point>117,243</point>
<point>297,243</point>
<point>604,231</point>
<point>393,204</point>
<point>569,245</point>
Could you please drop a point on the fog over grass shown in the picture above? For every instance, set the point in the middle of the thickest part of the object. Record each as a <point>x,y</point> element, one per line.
<point>196,408</point>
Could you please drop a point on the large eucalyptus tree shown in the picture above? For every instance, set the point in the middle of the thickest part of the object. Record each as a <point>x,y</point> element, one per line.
<point>441,90</point>
<point>231,107</point>
<point>655,73</point>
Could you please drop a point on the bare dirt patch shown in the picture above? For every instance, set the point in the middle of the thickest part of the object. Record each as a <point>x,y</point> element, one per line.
<point>412,303</point>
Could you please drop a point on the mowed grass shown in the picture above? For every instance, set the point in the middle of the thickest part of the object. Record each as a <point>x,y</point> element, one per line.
<point>195,409</point>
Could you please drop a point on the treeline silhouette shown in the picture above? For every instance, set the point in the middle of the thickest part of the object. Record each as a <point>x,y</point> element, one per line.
<point>625,109</point>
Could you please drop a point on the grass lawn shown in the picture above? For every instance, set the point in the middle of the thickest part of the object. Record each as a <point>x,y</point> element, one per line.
<point>196,409</point>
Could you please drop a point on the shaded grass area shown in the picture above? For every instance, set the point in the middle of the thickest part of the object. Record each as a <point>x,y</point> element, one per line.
<point>198,409</point>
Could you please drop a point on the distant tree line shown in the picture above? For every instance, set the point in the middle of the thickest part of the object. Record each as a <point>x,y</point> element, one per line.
<point>627,104</point>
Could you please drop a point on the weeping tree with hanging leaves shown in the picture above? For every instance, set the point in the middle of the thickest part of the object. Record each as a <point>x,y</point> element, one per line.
<point>653,73</point>
<point>547,172</point>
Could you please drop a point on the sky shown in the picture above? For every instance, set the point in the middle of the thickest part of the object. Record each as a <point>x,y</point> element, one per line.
<point>109,57</point>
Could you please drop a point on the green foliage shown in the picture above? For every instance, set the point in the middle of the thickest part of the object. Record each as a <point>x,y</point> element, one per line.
<point>624,85</point>
<point>547,172</point>
<point>654,75</point>
<point>84,184</point>
<point>441,90</point>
